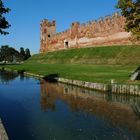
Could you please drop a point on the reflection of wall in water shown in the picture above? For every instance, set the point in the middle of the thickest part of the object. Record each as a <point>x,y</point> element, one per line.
<point>47,98</point>
<point>101,105</point>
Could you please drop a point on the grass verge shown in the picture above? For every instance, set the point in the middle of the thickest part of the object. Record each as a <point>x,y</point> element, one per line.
<point>100,64</point>
<point>92,73</point>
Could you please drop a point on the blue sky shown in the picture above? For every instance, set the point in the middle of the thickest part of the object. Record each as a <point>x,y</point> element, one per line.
<point>25,17</point>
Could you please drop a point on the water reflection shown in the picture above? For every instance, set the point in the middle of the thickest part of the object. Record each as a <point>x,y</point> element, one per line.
<point>119,110</point>
<point>67,112</point>
<point>6,76</point>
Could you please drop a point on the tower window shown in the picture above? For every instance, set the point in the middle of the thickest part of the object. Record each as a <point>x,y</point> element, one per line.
<point>49,36</point>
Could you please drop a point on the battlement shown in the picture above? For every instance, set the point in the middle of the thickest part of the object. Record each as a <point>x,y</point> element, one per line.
<point>45,22</point>
<point>80,35</point>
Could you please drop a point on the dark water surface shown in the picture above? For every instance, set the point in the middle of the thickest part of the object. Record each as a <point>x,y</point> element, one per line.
<point>37,110</point>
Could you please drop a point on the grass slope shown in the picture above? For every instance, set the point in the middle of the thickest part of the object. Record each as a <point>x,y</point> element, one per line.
<point>88,64</point>
<point>99,55</point>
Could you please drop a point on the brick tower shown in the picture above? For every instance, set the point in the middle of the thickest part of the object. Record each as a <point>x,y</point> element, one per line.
<point>47,31</point>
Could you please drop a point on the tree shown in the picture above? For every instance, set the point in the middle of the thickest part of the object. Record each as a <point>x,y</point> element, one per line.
<point>22,53</point>
<point>130,9</point>
<point>4,52</point>
<point>27,53</point>
<point>8,54</point>
<point>3,22</point>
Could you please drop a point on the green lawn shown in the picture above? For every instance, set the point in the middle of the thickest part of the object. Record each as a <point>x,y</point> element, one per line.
<point>100,64</point>
<point>93,73</point>
<point>116,55</point>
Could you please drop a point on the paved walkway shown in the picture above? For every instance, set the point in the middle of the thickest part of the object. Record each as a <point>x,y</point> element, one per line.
<point>3,135</point>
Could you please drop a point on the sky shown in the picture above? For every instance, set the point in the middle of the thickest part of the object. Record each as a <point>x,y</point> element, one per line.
<point>25,17</point>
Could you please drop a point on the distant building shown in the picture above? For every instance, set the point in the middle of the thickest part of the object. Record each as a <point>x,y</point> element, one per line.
<point>108,31</point>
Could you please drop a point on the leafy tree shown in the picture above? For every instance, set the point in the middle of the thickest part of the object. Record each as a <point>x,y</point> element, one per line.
<point>8,53</point>
<point>3,22</point>
<point>11,55</point>
<point>130,9</point>
<point>4,52</point>
<point>27,53</point>
<point>22,53</point>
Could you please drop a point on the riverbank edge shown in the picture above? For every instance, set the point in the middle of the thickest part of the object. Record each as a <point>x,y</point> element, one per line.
<point>3,134</point>
<point>111,88</point>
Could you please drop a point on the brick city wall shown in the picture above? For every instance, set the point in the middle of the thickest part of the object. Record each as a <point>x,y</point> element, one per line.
<point>105,31</point>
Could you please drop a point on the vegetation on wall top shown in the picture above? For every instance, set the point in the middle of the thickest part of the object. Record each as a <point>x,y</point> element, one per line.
<point>130,9</point>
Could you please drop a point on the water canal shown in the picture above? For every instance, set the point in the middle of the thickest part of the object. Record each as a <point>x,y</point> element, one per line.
<point>34,109</point>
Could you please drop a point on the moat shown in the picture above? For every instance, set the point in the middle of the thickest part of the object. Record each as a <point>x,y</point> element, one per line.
<point>33,109</point>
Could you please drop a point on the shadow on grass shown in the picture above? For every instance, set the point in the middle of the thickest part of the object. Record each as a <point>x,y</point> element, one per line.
<point>52,78</point>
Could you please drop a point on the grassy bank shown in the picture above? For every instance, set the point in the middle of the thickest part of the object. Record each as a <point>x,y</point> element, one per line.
<point>92,73</point>
<point>88,64</point>
<point>116,55</point>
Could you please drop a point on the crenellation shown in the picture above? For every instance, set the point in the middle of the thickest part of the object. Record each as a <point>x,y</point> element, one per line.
<point>94,32</point>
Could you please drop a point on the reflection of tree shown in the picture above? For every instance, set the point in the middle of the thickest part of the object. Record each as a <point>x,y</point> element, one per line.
<point>5,76</point>
<point>22,77</point>
<point>115,109</point>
